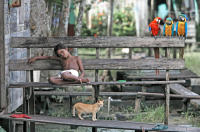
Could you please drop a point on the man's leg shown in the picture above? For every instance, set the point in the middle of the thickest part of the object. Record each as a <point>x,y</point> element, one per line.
<point>67,76</point>
<point>59,81</point>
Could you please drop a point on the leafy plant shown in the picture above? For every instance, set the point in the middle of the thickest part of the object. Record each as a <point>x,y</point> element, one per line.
<point>151,114</point>
<point>123,24</point>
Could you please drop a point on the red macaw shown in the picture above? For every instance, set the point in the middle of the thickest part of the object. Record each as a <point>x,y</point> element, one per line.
<point>154,28</point>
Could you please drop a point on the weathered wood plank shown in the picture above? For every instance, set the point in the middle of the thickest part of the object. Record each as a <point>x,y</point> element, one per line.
<point>3,95</point>
<point>95,42</point>
<point>179,89</point>
<point>183,74</point>
<point>111,124</point>
<point>102,64</point>
<point>39,84</point>
<point>74,94</point>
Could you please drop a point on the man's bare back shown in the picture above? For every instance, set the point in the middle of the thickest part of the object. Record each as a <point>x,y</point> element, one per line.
<point>71,66</point>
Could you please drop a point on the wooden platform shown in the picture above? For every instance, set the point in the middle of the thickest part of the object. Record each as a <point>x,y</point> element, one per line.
<point>182,74</point>
<point>38,84</point>
<point>102,123</point>
<point>179,89</point>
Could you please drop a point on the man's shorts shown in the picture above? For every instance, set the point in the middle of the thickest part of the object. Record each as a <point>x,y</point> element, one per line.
<point>72,71</point>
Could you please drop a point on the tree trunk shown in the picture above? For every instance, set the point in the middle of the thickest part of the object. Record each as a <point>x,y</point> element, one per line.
<point>80,17</point>
<point>40,27</point>
<point>79,23</point>
<point>63,25</point>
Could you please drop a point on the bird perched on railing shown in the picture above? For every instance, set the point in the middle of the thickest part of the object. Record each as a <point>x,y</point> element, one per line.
<point>168,29</point>
<point>154,28</point>
<point>181,26</point>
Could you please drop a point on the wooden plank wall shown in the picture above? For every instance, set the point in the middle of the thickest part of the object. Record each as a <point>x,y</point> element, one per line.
<point>2,58</point>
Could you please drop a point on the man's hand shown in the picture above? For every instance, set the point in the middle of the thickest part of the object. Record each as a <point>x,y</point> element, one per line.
<point>31,60</point>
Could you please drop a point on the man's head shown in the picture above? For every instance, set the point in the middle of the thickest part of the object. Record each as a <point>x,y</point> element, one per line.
<point>61,51</point>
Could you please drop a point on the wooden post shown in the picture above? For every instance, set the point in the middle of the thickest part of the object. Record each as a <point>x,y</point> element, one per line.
<point>185,104</point>
<point>137,103</point>
<point>32,103</point>
<point>24,110</point>
<point>29,95</point>
<point>181,53</point>
<point>174,53</point>
<point>167,94</point>
<point>150,52</point>
<point>70,104</point>
<point>3,91</point>
<point>25,97</point>
<point>130,53</point>
<point>96,88</point>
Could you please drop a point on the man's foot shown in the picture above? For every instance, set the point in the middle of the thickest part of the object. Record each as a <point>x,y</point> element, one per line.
<point>84,80</point>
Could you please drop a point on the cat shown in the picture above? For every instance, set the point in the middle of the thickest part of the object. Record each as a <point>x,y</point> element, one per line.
<point>87,108</point>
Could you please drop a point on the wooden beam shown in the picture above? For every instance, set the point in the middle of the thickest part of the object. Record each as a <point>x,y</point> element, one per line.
<point>3,93</point>
<point>39,84</point>
<point>95,42</point>
<point>74,94</point>
<point>183,74</point>
<point>167,94</point>
<point>102,64</point>
<point>111,124</point>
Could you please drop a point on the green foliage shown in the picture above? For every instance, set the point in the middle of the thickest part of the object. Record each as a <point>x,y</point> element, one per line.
<point>59,2</point>
<point>151,114</point>
<point>192,62</point>
<point>192,117</point>
<point>123,24</point>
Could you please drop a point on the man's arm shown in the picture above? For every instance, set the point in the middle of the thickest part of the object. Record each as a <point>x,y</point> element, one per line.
<point>80,67</point>
<point>31,60</point>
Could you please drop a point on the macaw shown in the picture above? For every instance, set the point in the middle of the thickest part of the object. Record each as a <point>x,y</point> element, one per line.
<point>168,29</point>
<point>154,28</point>
<point>181,26</point>
<point>181,31</point>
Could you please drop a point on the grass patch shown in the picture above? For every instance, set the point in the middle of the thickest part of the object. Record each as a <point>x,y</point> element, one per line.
<point>192,118</point>
<point>192,61</point>
<point>151,114</point>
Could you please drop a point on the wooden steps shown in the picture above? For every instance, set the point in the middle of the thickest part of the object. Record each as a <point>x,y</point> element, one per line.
<point>179,89</point>
<point>101,123</point>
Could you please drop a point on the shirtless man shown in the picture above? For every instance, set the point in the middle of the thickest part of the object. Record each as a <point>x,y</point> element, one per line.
<point>71,66</point>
